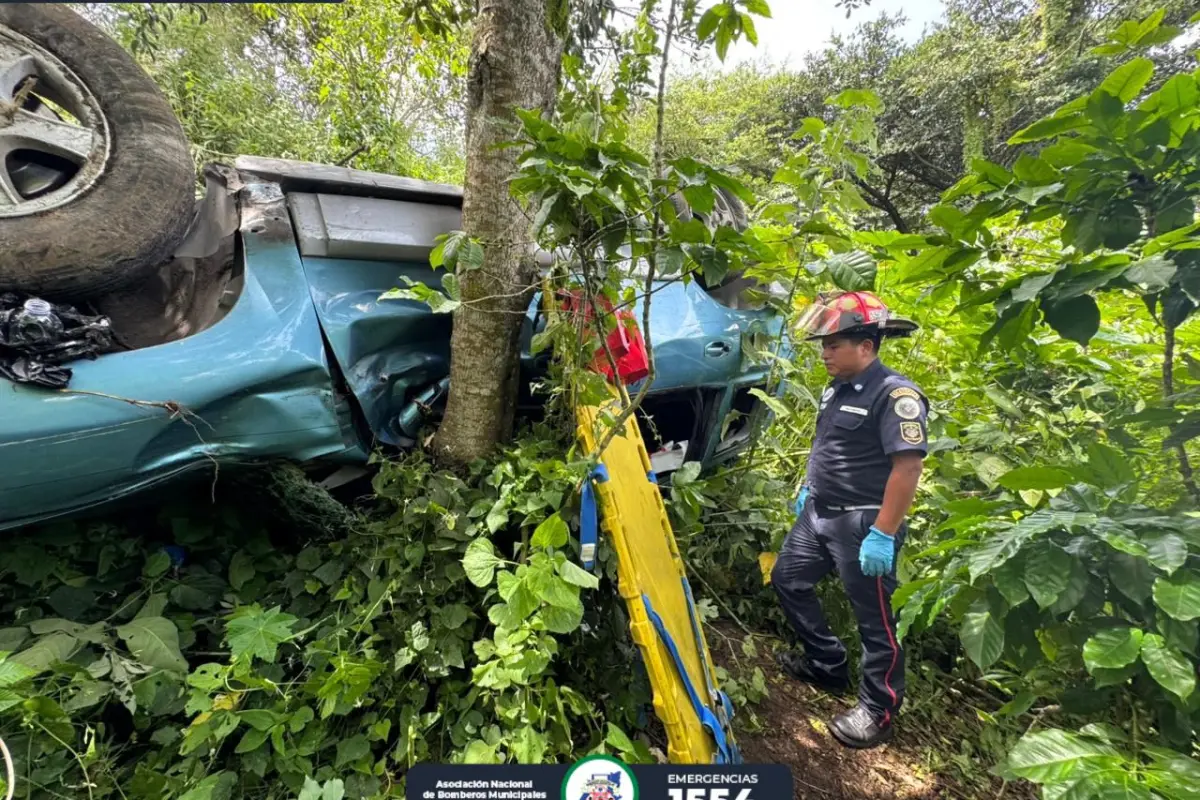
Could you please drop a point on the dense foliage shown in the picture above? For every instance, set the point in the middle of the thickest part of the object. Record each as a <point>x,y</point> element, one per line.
<point>1052,571</point>
<point>207,653</point>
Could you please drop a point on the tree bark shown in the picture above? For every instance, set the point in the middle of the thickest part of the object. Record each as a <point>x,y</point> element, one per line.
<point>515,61</point>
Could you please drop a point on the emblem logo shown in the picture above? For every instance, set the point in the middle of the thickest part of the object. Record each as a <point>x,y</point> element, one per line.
<point>904,391</point>
<point>911,432</point>
<point>600,778</point>
<point>907,408</point>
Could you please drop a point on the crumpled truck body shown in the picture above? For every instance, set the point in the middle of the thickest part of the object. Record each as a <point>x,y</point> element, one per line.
<point>308,364</point>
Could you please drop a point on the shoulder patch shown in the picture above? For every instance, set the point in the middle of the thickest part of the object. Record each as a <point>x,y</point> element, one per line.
<point>911,432</point>
<point>905,391</point>
<point>907,408</point>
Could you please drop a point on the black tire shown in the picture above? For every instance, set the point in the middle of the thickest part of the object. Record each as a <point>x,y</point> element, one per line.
<point>132,217</point>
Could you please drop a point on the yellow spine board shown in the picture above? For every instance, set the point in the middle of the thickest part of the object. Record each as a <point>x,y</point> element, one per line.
<point>635,520</point>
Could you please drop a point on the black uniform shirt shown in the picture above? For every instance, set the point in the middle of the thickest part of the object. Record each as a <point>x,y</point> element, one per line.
<point>861,424</point>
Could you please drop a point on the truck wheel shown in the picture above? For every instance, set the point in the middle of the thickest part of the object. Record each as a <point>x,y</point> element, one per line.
<point>96,181</point>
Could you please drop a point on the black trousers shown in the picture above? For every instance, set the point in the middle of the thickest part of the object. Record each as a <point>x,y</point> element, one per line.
<point>818,543</point>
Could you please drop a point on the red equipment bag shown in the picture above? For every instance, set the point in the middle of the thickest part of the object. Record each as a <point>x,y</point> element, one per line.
<point>626,343</point>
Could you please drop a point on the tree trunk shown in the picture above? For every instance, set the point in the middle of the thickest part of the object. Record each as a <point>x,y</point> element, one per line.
<point>515,60</point>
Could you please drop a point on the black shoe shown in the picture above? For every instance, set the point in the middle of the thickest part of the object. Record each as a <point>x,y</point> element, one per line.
<point>801,668</point>
<point>858,728</point>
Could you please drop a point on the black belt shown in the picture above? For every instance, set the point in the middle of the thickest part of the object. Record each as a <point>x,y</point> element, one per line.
<point>843,509</point>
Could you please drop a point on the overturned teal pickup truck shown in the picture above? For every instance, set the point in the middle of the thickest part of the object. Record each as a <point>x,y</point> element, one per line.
<point>248,324</point>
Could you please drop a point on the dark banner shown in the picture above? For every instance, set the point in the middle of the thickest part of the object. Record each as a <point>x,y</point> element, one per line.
<point>599,778</point>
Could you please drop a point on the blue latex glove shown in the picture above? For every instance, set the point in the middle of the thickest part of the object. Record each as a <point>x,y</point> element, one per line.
<point>801,500</point>
<point>877,553</point>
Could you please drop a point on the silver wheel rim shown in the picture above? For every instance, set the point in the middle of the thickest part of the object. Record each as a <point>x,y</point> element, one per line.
<point>54,138</point>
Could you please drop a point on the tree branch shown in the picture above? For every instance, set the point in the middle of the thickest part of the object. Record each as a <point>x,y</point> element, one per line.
<point>881,201</point>
<point>652,258</point>
<point>1168,375</point>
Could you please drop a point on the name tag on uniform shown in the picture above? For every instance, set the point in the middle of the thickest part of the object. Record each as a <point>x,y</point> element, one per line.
<point>862,412</point>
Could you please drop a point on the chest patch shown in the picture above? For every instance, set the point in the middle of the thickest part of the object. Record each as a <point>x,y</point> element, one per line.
<point>862,412</point>
<point>907,408</point>
<point>904,391</point>
<point>911,432</point>
<point>826,397</point>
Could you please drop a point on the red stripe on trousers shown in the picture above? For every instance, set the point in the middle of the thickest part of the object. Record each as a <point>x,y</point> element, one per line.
<point>887,678</point>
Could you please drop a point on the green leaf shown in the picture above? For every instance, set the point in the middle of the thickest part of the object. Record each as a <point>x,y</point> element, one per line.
<point>214,787</point>
<point>1048,127</point>
<point>1168,666</point>
<point>260,719</point>
<point>1075,590</point>
<point>748,28</point>
<point>1035,478</point>
<point>154,641</point>
<point>1153,274</point>
<point>1132,576</point>
<point>1122,225</point>
<point>13,672</point>
<point>252,740</point>
<point>1113,677</point>
<point>1179,595</point>
<point>1049,756</point>
<point>1046,574</point>
<point>991,467</point>
<point>1167,551</point>
<point>850,98</point>
<point>1183,636</point>
<point>1002,545</point>
<point>561,620</point>
<point>982,637</point>
<point>470,256</point>
<point>552,532</point>
<point>311,790</point>
<point>241,569</point>
<point>1112,648</point>
<point>47,651</point>
<point>1104,109</point>
<point>1127,80</point>
<point>1180,93</point>
<point>576,575</point>
<point>618,739</point>
<point>853,271</point>
<point>708,24</point>
<point>351,749</point>
<point>1017,706</point>
<point>480,562</point>
<point>724,38</point>
<point>302,716</point>
<point>1077,319</point>
<point>11,639</point>
<point>253,632</point>
<point>758,7</point>
<point>480,752</point>
<point>1010,582</point>
<point>1107,467</point>
<point>157,564</point>
<point>454,616</point>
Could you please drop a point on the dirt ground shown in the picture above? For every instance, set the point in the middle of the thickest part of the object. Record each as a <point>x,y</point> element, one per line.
<point>792,731</point>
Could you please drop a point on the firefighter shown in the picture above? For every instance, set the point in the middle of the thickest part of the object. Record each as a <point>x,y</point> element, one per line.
<point>862,474</point>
